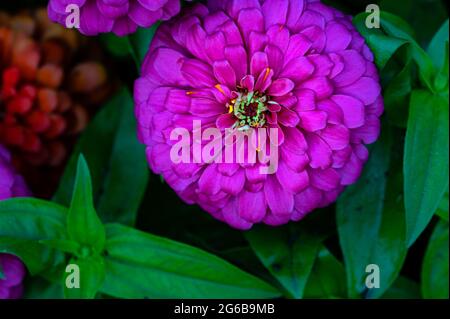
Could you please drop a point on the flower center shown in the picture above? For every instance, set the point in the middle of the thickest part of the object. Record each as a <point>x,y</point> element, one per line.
<point>249,108</point>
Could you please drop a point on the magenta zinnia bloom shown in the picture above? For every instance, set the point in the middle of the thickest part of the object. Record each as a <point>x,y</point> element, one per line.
<point>321,90</point>
<point>11,185</point>
<point>119,16</point>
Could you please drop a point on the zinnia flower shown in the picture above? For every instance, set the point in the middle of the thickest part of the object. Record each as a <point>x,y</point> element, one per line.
<point>12,271</point>
<point>312,72</point>
<point>119,16</point>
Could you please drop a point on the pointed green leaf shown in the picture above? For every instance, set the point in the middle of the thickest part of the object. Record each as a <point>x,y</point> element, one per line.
<point>425,160</point>
<point>436,49</point>
<point>83,224</point>
<point>140,265</point>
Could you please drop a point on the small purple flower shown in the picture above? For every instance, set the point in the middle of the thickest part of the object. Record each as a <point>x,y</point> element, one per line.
<point>119,16</point>
<point>11,185</point>
<point>13,274</point>
<point>299,66</point>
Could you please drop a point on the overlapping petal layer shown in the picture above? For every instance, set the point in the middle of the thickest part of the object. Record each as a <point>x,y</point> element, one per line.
<point>119,16</point>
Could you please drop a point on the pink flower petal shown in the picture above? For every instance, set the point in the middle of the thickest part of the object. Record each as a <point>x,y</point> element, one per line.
<point>365,89</point>
<point>252,206</point>
<point>291,180</point>
<point>318,151</point>
<point>279,201</point>
<point>280,87</point>
<point>352,109</point>
<point>313,120</point>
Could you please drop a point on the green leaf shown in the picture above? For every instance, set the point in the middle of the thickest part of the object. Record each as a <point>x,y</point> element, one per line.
<point>397,27</point>
<point>383,46</point>
<point>91,276</point>
<point>403,288</point>
<point>389,249</point>
<point>140,42</point>
<point>118,46</point>
<point>425,160</point>
<point>441,81</point>
<point>359,214</point>
<point>83,224</point>
<point>25,221</point>
<point>435,264</point>
<point>290,253</point>
<point>442,211</point>
<point>396,96</point>
<point>136,44</point>
<point>432,14</point>
<point>327,278</point>
<point>116,160</point>
<point>436,49</point>
<point>125,185</point>
<point>140,265</point>
<point>371,222</point>
<point>397,34</point>
<point>64,245</point>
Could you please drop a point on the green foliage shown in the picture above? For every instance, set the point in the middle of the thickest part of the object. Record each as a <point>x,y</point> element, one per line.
<point>83,224</point>
<point>108,260</point>
<point>166,269</point>
<point>371,222</point>
<point>426,160</point>
<point>136,45</point>
<point>437,49</point>
<point>114,155</point>
<point>92,275</point>
<point>435,264</point>
<point>442,211</point>
<point>289,255</point>
<point>327,279</point>
<point>99,213</point>
<point>23,223</point>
